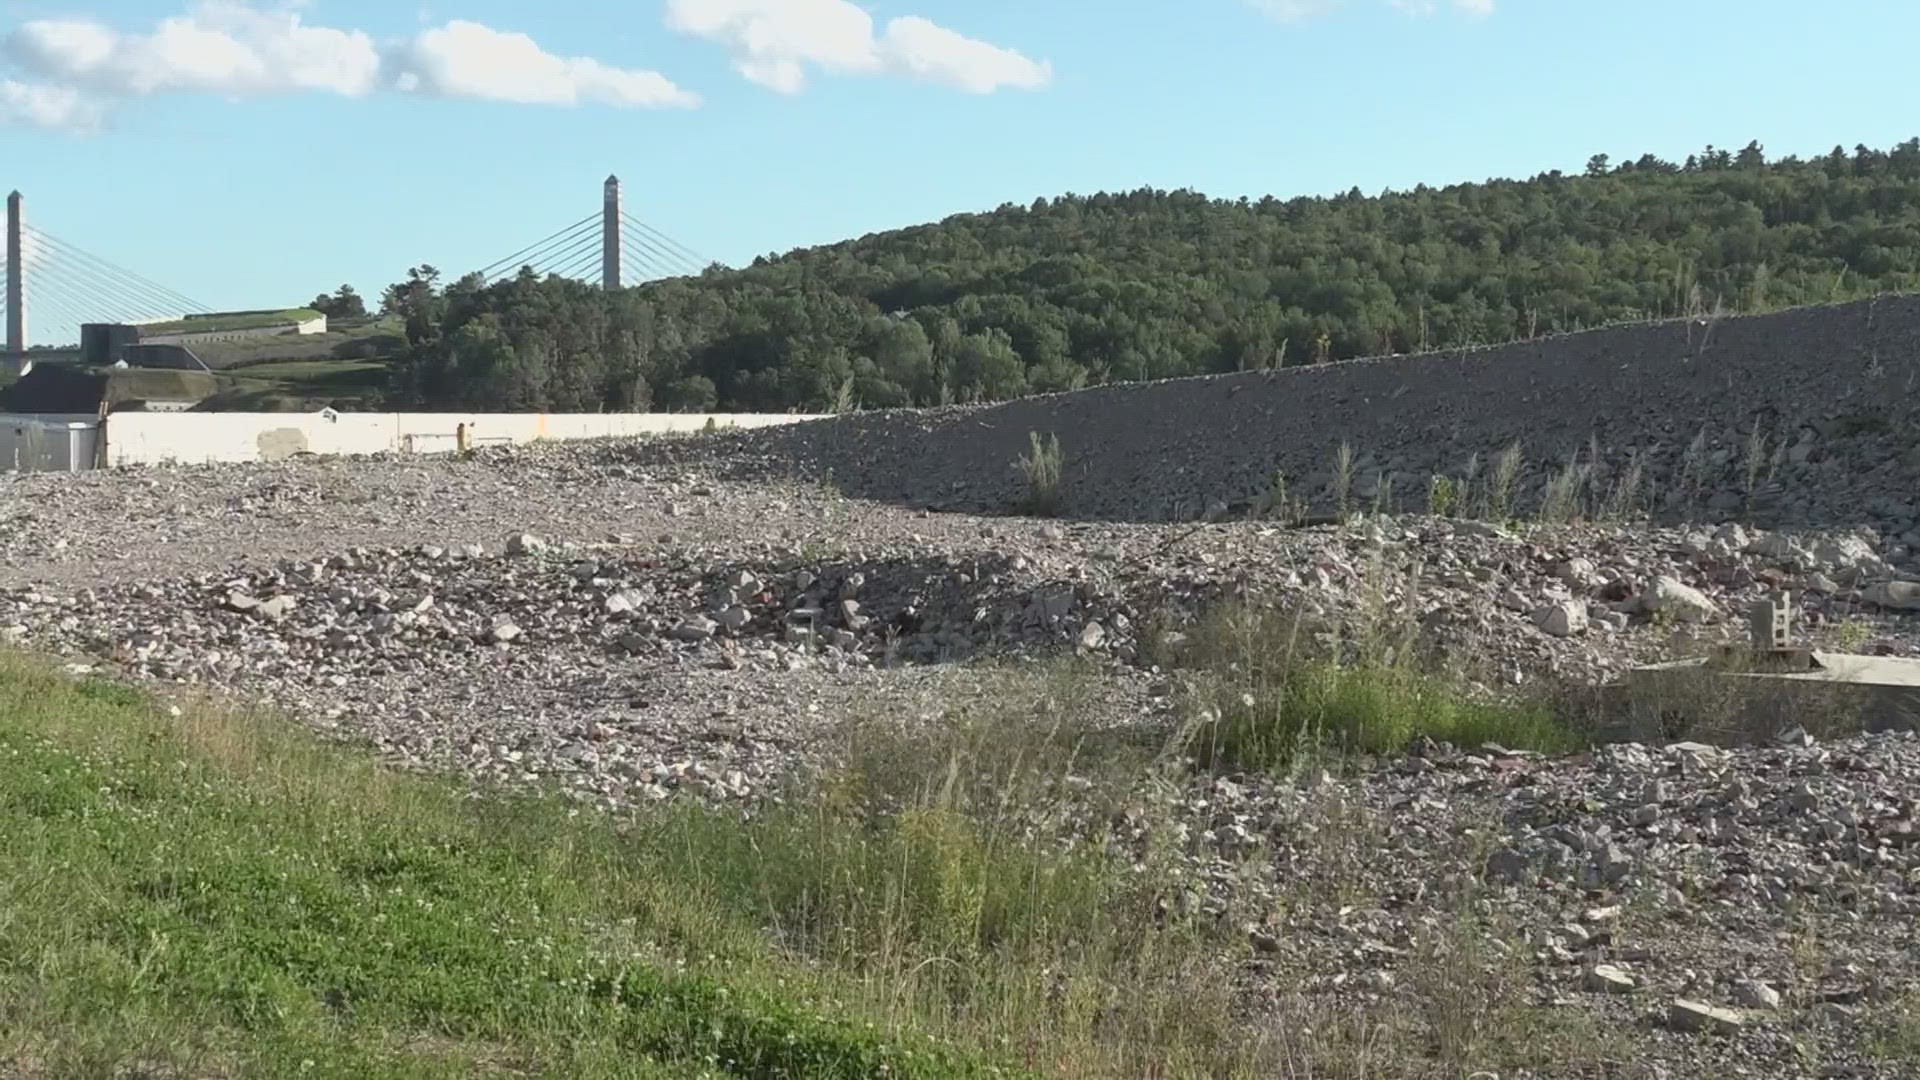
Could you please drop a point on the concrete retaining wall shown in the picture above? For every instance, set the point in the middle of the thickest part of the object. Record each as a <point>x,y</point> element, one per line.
<point>195,438</point>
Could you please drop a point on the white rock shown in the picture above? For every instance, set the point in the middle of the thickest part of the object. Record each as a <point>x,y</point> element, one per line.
<point>1671,597</point>
<point>1562,618</point>
<point>698,628</point>
<point>1754,994</point>
<point>1607,979</point>
<point>1685,1015</point>
<point>277,608</point>
<point>1578,573</point>
<point>525,544</point>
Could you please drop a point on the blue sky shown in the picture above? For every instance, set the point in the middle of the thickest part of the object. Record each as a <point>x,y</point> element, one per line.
<point>252,155</point>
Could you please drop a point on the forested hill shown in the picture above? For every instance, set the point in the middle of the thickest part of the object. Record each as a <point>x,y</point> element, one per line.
<point>1080,290</point>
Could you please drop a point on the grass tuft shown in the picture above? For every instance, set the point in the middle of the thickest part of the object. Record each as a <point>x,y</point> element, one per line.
<point>1041,468</point>
<point>1276,696</point>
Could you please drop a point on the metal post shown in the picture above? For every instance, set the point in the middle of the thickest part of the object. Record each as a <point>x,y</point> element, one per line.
<point>16,285</point>
<point>610,236</point>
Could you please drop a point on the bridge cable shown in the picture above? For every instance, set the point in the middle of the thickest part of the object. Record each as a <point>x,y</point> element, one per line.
<point>579,268</point>
<point>685,252</point>
<point>567,248</point>
<point>681,264</point>
<point>514,260</point>
<point>130,279</point>
<point>112,300</point>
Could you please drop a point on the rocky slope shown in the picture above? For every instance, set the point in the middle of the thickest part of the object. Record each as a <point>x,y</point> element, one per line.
<point>1801,418</point>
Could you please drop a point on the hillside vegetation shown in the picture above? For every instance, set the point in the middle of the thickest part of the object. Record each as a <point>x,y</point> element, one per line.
<point>239,320</point>
<point>1084,290</point>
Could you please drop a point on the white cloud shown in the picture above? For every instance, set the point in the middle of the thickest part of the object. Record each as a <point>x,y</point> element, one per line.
<point>1290,11</point>
<point>80,66</point>
<point>1296,10</point>
<point>777,42</point>
<point>54,107</point>
<point>467,60</point>
<point>1478,9</point>
<point>937,54</point>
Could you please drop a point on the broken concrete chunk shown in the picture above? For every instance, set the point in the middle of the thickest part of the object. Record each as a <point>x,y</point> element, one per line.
<point>1607,979</point>
<point>526,544</point>
<point>1684,1015</point>
<point>1677,600</point>
<point>1562,618</point>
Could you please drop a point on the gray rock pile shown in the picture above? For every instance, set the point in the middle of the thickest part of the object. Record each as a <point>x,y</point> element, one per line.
<point>1799,419</point>
<point>1741,908</point>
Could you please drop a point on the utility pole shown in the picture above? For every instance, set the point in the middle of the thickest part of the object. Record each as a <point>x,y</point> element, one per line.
<point>610,236</point>
<point>16,285</point>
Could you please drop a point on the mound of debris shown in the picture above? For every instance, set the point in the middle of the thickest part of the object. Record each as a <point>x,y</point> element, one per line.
<point>1694,909</point>
<point>1798,419</point>
<point>530,656</point>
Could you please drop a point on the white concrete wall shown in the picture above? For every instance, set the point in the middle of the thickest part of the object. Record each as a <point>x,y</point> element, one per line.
<point>153,438</point>
<point>48,442</point>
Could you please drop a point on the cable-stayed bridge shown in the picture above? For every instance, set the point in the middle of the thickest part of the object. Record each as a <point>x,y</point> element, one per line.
<point>54,287</point>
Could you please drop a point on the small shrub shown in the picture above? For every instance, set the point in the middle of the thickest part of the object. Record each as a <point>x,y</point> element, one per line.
<point>1693,467</point>
<point>1557,504</point>
<point>1756,456</point>
<point>1342,476</point>
<point>1623,499</point>
<point>1369,709</point>
<point>1041,466</point>
<point>1277,692</point>
<point>843,398</point>
<point>1383,494</point>
<point>1443,497</point>
<point>1506,472</point>
<point>1468,478</point>
<point>1275,502</point>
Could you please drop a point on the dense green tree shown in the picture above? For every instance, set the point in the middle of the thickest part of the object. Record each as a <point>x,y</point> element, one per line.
<point>343,304</point>
<point>1085,289</point>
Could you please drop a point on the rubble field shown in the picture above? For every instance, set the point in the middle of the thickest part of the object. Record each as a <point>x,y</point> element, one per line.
<point>709,617</point>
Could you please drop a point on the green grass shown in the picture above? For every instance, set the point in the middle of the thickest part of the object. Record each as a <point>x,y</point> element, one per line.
<point>1041,468</point>
<point>300,386</point>
<point>1273,694</point>
<point>317,374</point>
<point>1371,710</point>
<point>223,323</point>
<point>217,896</point>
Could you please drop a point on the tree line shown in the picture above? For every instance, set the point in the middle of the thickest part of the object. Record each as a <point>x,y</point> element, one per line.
<point>1087,289</point>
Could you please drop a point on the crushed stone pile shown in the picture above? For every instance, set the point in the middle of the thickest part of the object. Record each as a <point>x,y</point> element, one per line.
<point>1805,418</point>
